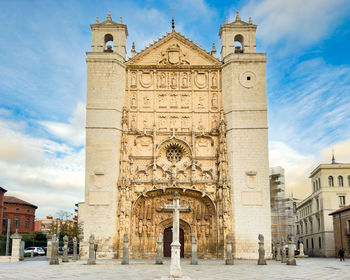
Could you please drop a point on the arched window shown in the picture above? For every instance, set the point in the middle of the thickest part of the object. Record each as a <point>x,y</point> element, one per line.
<point>330,181</point>
<point>108,43</point>
<point>340,181</point>
<point>239,43</point>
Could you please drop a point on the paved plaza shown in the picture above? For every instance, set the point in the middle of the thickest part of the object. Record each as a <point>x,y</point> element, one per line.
<point>311,268</point>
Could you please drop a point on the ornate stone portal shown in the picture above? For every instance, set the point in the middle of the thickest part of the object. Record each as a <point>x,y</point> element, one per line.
<point>174,118</point>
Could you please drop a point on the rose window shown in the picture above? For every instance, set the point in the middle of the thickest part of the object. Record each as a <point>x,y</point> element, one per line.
<point>174,154</point>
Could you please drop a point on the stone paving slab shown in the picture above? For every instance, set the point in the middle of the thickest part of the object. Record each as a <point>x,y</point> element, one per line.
<point>310,268</point>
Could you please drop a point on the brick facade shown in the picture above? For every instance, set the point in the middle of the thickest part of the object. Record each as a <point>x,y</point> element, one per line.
<point>20,212</point>
<point>2,193</point>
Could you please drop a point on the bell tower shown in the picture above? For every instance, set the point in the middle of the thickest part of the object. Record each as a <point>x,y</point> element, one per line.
<point>244,104</point>
<point>105,101</point>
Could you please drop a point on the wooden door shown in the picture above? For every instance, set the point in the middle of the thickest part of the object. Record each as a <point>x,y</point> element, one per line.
<point>168,238</point>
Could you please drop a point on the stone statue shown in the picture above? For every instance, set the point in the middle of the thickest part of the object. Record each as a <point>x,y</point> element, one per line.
<point>126,249</point>
<point>92,255</point>
<point>229,260</point>
<point>159,259</point>
<point>54,250</point>
<point>194,259</point>
<point>261,260</point>
<point>75,249</point>
<point>301,250</point>
<point>65,249</point>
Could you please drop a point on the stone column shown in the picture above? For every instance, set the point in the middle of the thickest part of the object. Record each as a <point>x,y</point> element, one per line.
<point>194,259</point>
<point>291,258</point>
<point>16,247</point>
<point>261,260</point>
<point>229,260</point>
<point>54,250</point>
<point>92,255</point>
<point>48,246</point>
<point>126,249</point>
<point>65,249</point>
<point>175,266</point>
<point>75,249</point>
<point>159,259</point>
<point>278,254</point>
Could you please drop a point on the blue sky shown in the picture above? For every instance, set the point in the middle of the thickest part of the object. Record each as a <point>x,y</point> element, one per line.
<point>43,83</point>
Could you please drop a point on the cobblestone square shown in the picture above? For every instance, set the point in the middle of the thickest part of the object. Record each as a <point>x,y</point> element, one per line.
<point>310,268</point>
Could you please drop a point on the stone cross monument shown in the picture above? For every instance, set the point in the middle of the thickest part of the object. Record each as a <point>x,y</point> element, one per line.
<point>75,249</point>
<point>229,260</point>
<point>194,259</point>
<point>92,256</point>
<point>175,268</point>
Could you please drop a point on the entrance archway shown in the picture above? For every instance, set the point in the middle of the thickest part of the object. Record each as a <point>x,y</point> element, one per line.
<point>168,238</point>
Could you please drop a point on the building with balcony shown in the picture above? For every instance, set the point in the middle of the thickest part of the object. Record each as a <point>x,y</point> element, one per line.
<point>341,226</point>
<point>330,185</point>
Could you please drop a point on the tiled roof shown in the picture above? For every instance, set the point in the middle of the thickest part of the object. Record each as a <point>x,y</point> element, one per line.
<point>15,200</point>
<point>340,210</point>
<point>2,189</point>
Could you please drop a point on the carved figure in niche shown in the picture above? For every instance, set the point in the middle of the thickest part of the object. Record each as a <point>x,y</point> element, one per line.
<point>161,80</point>
<point>133,101</point>
<point>173,101</point>
<point>173,80</point>
<point>133,122</point>
<point>214,101</point>
<point>162,100</point>
<point>145,123</point>
<point>133,79</point>
<point>184,101</point>
<point>214,82</point>
<point>214,124</point>
<point>201,102</point>
<point>146,100</point>
<point>140,227</point>
<point>184,80</point>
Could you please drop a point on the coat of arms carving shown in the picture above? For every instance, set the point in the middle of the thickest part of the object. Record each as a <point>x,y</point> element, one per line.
<point>173,56</point>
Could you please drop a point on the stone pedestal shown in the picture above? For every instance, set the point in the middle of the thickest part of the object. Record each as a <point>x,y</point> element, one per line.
<point>126,249</point>
<point>54,251</point>
<point>291,259</point>
<point>22,251</point>
<point>229,259</point>
<point>194,259</point>
<point>284,256</point>
<point>175,265</point>
<point>16,247</point>
<point>92,255</point>
<point>65,249</point>
<point>48,246</point>
<point>301,251</point>
<point>159,258</point>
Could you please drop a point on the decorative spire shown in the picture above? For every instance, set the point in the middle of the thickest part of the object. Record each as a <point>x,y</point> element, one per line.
<point>250,20</point>
<point>226,20</point>
<point>133,52</point>
<point>213,51</point>
<point>109,18</point>
<point>96,21</point>
<point>173,23</point>
<point>333,158</point>
<point>120,20</point>
<point>238,18</point>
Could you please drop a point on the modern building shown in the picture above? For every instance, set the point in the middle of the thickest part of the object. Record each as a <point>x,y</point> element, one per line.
<point>330,185</point>
<point>282,210</point>
<point>20,213</point>
<point>176,118</point>
<point>49,224</point>
<point>341,227</point>
<point>2,193</point>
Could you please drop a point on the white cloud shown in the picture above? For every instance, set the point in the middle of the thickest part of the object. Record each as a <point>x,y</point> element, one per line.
<point>72,132</point>
<point>295,22</point>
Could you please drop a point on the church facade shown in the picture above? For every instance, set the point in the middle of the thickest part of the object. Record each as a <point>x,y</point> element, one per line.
<point>175,118</point>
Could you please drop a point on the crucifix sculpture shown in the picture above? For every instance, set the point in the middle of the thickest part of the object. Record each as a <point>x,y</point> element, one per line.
<point>175,268</point>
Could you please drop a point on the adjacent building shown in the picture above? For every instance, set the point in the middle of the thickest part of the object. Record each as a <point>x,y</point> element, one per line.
<point>2,193</point>
<point>330,185</point>
<point>21,214</point>
<point>49,225</point>
<point>341,227</point>
<point>282,210</point>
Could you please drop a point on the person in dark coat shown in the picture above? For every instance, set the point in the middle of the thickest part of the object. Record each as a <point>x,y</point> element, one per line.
<point>341,255</point>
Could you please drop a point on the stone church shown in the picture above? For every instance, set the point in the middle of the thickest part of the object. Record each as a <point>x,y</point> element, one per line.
<point>176,118</point>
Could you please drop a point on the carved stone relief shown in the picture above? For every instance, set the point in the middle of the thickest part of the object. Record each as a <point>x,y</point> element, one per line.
<point>162,80</point>
<point>146,79</point>
<point>133,82</point>
<point>162,100</point>
<point>201,79</point>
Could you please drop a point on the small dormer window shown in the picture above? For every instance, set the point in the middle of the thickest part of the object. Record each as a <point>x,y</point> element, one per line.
<point>108,43</point>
